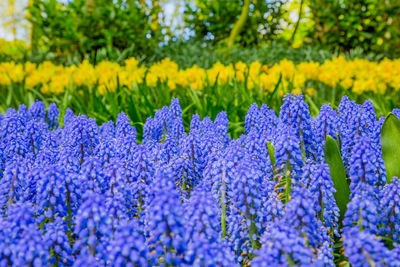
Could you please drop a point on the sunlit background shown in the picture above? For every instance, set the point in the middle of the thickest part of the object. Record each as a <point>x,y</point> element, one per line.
<point>15,25</point>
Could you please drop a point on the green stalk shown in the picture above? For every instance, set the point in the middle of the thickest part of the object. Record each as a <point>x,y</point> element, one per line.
<point>69,217</point>
<point>139,205</point>
<point>252,230</point>
<point>12,189</point>
<point>289,259</point>
<point>312,104</point>
<point>288,181</point>
<point>223,216</point>
<point>223,205</point>
<point>184,185</point>
<point>288,189</point>
<point>237,28</point>
<point>298,22</point>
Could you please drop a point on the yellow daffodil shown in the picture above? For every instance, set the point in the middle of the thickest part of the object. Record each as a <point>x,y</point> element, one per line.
<point>358,75</point>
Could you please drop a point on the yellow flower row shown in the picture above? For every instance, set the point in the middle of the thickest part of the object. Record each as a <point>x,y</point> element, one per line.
<point>358,75</point>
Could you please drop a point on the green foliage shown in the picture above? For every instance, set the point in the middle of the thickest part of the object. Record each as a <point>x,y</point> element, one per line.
<point>205,55</point>
<point>69,31</point>
<point>87,28</point>
<point>12,50</point>
<point>372,25</point>
<point>140,101</point>
<point>390,138</point>
<point>338,175</point>
<point>212,20</point>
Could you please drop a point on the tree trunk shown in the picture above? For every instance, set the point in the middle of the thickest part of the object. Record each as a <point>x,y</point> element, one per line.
<point>237,28</point>
<point>298,22</point>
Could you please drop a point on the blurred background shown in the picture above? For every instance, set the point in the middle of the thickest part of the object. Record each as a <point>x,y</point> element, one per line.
<point>69,31</point>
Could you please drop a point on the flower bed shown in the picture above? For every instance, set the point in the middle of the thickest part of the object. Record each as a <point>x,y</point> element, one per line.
<point>85,194</point>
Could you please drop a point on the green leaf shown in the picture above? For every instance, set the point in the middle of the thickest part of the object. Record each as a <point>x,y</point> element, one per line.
<point>312,104</point>
<point>390,139</point>
<point>223,206</point>
<point>40,96</point>
<point>275,90</point>
<point>338,174</point>
<point>271,152</point>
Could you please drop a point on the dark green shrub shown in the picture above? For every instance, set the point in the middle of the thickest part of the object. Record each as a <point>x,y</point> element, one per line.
<point>372,25</point>
<point>86,28</point>
<point>212,20</point>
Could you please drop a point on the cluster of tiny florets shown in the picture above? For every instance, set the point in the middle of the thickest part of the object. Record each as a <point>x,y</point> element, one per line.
<point>75,193</point>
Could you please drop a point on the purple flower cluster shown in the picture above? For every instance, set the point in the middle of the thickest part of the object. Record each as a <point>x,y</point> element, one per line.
<point>73,193</point>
